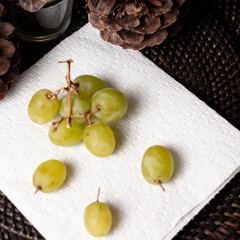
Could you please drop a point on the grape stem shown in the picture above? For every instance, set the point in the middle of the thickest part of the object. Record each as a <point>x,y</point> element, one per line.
<point>54,94</point>
<point>74,90</point>
<point>76,85</point>
<point>72,87</point>
<point>37,189</point>
<point>158,182</point>
<point>97,109</point>
<point>87,115</point>
<point>68,79</point>
<point>56,124</point>
<point>98,194</point>
<point>82,116</point>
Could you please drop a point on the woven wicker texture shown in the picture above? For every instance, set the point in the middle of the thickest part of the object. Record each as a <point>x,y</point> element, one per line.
<point>205,58</point>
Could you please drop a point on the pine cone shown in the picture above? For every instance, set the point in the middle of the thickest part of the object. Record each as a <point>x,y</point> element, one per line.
<point>9,55</point>
<point>136,24</point>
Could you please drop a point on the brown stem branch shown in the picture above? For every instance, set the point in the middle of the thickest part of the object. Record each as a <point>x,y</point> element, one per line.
<point>87,115</point>
<point>37,189</point>
<point>159,183</point>
<point>73,89</point>
<point>98,194</point>
<point>97,109</point>
<point>69,61</point>
<point>82,116</point>
<point>54,94</point>
<point>56,124</point>
<point>76,85</point>
<point>69,102</point>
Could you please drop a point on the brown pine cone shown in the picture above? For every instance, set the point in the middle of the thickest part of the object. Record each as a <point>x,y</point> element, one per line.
<point>136,24</point>
<point>9,55</point>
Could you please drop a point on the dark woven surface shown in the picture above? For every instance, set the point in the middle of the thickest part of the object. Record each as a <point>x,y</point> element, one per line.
<point>205,58</point>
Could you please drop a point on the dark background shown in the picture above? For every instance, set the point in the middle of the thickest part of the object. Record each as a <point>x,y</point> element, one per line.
<point>204,56</point>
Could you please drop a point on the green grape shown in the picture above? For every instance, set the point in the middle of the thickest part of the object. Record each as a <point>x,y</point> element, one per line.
<point>79,107</point>
<point>98,219</point>
<point>88,85</point>
<point>49,176</point>
<point>99,139</point>
<point>42,110</point>
<point>113,104</point>
<point>66,137</point>
<point>157,165</point>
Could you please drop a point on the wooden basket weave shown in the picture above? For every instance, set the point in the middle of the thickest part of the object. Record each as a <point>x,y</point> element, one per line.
<point>205,58</point>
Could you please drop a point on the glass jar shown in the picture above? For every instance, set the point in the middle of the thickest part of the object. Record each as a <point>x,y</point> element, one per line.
<point>46,24</point>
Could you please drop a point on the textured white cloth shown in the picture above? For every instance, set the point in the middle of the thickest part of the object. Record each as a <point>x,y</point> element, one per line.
<point>205,147</point>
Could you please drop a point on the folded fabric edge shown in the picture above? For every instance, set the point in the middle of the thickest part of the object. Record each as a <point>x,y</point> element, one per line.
<point>192,213</point>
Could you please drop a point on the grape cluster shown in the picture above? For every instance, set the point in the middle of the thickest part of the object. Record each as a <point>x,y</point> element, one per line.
<point>87,97</point>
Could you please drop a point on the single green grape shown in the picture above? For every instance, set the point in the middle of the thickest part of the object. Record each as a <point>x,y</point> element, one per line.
<point>66,137</point>
<point>79,107</point>
<point>49,176</point>
<point>157,165</point>
<point>88,85</point>
<point>113,104</point>
<point>99,139</point>
<point>42,110</point>
<point>98,219</point>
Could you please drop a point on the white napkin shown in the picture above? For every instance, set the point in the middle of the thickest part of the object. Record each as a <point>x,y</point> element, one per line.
<point>205,147</point>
